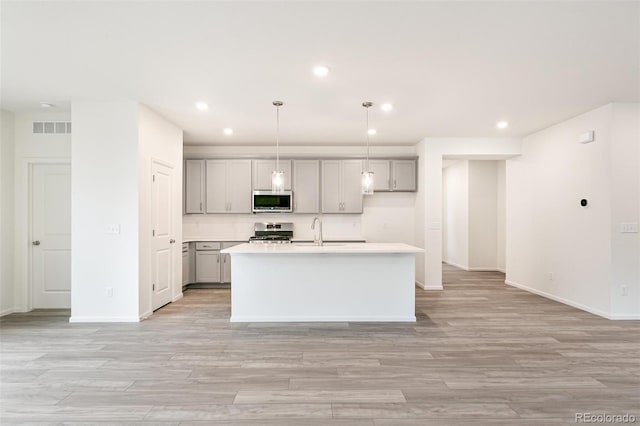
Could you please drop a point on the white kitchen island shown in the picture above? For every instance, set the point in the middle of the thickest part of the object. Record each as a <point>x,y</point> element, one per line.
<point>333,282</point>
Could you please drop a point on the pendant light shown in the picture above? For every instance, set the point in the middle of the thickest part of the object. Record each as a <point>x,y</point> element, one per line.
<point>367,175</point>
<point>277,176</point>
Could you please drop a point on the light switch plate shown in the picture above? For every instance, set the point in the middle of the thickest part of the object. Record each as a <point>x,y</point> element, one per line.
<point>628,228</point>
<point>113,229</point>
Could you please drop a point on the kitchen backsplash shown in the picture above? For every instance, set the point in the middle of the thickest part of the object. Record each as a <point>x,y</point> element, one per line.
<point>240,226</point>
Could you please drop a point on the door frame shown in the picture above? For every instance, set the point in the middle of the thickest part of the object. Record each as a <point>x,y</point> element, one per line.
<point>23,239</point>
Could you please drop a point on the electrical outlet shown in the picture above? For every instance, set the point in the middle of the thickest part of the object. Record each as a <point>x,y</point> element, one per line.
<point>113,229</point>
<point>109,291</point>
<point>628,228</point>
<point>624,290</point>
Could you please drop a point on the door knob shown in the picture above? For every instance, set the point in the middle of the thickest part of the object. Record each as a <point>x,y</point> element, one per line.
<point>171,241</point>
<point>36,243</point>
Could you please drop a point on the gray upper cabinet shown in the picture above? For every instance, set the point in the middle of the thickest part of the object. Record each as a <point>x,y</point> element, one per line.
<point>381,174</point>
<point>341,186</point>
<point>194,186</point>
<point>404,175</point>
<point>306,186</point>
<point>228,186</point>
<point>262,170</point>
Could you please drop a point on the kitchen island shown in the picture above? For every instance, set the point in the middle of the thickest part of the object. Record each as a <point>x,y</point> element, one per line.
<point>333,282</point>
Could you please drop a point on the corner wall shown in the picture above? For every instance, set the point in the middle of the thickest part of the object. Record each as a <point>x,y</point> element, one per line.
<point>560,249</point>
<point>455,220</point>
<point>159,140</point>
<point>7,303</point>
<point>105,191</point>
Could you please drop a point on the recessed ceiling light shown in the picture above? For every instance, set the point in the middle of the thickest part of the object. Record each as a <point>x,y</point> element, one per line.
<point>386,107</point>
<point>47,105</point>
<point>372,132</point>
<point>202,106</point>
<point>228,131</point>
<point>321,71</point>
<point>502,124</point>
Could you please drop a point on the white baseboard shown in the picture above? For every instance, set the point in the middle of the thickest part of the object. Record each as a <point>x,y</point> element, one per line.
<point>7,311</point>
<point>464,268</point>
<point>426,287</point>
<point>560,299</point>
<point>104,319</point>
<point>237,318</point>
<point>626,317</point>
<point>146,315</point>
<point>177,297</point>
<point>504,271</point>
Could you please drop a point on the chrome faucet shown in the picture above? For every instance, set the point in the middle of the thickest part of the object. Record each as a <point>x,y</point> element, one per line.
<point>313,226</point>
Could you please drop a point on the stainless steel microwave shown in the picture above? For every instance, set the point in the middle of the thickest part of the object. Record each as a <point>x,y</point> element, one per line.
<point>272,202</point>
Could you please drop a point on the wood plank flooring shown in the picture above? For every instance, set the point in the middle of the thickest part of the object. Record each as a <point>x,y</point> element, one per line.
<point>481,352</point>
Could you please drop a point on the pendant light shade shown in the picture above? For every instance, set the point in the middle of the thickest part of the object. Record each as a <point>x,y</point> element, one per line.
<point>277,176</point>
<point>367,174</point>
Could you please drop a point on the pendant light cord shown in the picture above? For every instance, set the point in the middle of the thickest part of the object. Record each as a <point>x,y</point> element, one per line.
<point>368,136</point>
<point>277,138</point>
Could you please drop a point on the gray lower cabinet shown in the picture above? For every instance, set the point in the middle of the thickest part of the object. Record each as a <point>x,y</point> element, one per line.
<point>207,266</point>
<point>211,265</point>
<point>185,264</point>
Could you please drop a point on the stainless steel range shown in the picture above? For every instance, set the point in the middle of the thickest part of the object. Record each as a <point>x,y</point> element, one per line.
<point>272,233</point>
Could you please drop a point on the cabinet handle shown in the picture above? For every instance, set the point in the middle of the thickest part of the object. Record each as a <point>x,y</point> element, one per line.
<point>224,260</point>
<point>171,241</point>
<point>395,184</point>
<point>36,243</point>
<point>218,259</point>
<point>200,206</point>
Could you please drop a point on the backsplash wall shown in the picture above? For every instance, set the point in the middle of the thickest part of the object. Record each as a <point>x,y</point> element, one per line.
<point>386,217</point>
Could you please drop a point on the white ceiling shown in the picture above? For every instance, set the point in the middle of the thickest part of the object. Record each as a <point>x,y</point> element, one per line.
<point>450,69</point>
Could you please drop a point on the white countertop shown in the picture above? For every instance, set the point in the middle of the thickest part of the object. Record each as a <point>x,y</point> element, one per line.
<point>236,240</point>
<point>333,248</point>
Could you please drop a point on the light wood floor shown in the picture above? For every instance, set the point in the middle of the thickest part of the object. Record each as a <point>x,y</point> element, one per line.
<point>480,353</point>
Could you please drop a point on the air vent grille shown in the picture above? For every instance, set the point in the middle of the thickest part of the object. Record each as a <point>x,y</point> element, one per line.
<point>51,127</point>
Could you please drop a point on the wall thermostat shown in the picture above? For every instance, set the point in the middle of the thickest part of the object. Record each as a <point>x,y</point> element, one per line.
<point>584,202</point>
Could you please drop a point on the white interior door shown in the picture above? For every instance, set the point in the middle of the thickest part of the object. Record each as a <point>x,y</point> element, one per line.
<point>162,264</point>
<point>51,236</point>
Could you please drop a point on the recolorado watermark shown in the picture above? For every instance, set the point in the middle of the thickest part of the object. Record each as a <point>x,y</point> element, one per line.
<point>605,418</point>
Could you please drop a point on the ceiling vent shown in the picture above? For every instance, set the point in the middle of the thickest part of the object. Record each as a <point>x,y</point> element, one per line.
<point>51,127</point>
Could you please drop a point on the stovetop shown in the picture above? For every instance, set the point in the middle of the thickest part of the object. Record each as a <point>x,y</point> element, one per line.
<point>270,239</point>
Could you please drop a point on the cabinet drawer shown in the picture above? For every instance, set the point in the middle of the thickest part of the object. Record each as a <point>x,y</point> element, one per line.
<point>208,246</point>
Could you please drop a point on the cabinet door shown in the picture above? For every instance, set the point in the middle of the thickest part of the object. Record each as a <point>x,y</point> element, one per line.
<point>262,170</point>
<point>194,186</point>
<point>226,268</point>
<point>404,175</point>
<point>351,186</point>
<point>306,186</point>
<point>331,189</point>
<point>185,268</point>
<point>208,266</point>
<point>381,174</point>
<point>239,186</point>
<point>216,186</point>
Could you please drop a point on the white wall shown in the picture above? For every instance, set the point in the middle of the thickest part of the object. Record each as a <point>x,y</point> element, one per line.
<point>625,194</point>
<point>7,303</point>
<point>105,177</point>
<point>548,232</point>
<point>483,215</point>
<point>30,149</point>
<point>159,140</point>
<point>470,228</point>
<point>455,218</point>
<point>501,216</point>
<point>430,191</point>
